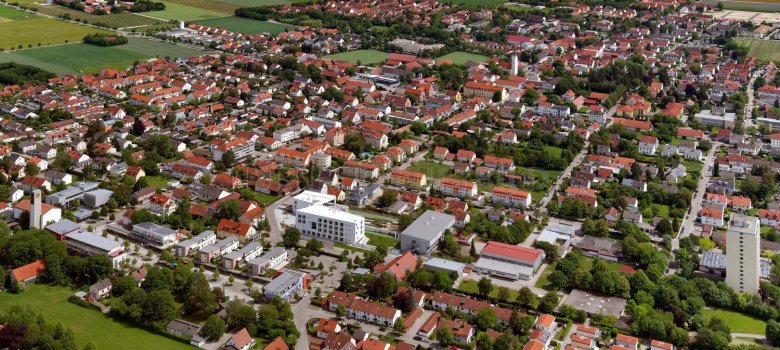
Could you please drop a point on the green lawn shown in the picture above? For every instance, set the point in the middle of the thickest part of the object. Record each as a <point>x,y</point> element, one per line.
<point>157,181</point>
<point>10,13</point>
<point>693,165</point>
<point>737,322</point>
<point>663,210</point>
<point>431,169</point>
<point>553,151</point>
<point>362,56</point>
<point>246,25</point>
<point>586,263</point>
<point>184,13</point>
<point>119,20</point>
<point>87,325</point>
<point>471,287</point>
<point>262,198</point>
<point>375,239</point>
<point>460,57</point>
<point>75,58</point>
<point>762,49</point>
<point>38,30</point>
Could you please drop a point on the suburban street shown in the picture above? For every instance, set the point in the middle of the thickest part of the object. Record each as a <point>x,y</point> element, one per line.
<point>698,196</point>
<point>565,174</point>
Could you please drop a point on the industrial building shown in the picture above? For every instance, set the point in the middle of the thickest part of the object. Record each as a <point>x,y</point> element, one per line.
<point>424,234</point>
<point>509,261</point>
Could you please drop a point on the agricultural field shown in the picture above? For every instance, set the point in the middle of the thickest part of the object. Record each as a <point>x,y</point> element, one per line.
<point>52,303</point>
<point>31,31</point>
<point>460,57</point>
<point>119,20</point>
<point>737,322</point>
<point>175,11</point>
<point>762,49</point>
<point>217,6</point>
<point>246,25</point>
<point>363,56</point>
<point>75,58</point>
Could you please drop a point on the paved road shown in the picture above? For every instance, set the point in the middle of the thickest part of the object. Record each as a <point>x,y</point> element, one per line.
<point>565,174</point>
<point>272,213</point>
<point>693,212</point>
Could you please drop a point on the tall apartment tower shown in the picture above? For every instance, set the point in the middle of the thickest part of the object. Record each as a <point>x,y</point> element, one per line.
<point>35,210</point>
<point>743,253</point>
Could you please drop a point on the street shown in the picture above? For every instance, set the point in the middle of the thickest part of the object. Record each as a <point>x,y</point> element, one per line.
<point>698,196</point>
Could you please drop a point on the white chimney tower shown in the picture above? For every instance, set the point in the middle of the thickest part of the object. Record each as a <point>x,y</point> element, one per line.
<point>181,24</point>
<point>35,210</point>
<point>515,64</point>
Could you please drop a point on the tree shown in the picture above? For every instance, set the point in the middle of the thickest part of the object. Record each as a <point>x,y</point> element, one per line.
<point>549,302</point>
<point>290,237</point>
<point>90,346</point>
<point>383,286</point>
<point>485,319</point>
<point>664,227</point>
<point>398,325</point>
<point>158,279</point>
<point>485,286</point>
<point>228,159</point>
<point>159,308</point>
<point>199,300</point>
<point>442,281</point>
<point>557,280</point>
<point>341,311</point>
<point>214,328</point>
<point>444,336</point>
<point>484,341</point>
<point>773,332</point>
<point>527,298</point>
<point>314,245</point>
<point>138,127</point>
<point>239,315</point>
<point>229,209</point>
<point>507,341</point>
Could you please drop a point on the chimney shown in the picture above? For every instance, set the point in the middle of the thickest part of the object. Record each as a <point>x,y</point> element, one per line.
<point>35,210</point>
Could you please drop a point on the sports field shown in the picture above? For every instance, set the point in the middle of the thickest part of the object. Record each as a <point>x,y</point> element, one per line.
<point>364,56</point>
<point>460,57</point>
<point>246,25</point>
<point>75,58</point>
<point>36,29</point>
<point>52,303</point>
<point>762,49</point>
<point>184,12</point>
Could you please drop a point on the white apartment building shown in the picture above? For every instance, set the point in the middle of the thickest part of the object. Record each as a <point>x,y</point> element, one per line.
<point>331,224</point>
<point>743,253</point>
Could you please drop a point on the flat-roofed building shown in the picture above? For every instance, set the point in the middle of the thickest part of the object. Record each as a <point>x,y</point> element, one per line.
<point>287,285</point>
<point>743,253</point>
<point>184,248</point>
<point>89,244</point>
<point>218,249</point>
<point>425,233</point>
<point>248,252</point>
<point>159,236</point>
<point>331,224</point>
<point>270,260</point>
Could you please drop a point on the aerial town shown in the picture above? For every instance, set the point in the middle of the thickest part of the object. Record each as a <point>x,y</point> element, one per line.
<point>389,175</point>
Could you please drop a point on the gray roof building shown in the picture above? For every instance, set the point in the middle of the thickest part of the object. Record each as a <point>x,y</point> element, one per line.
<point>424,234</point>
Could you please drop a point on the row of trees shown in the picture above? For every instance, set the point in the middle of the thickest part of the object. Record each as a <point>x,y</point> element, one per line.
<point>101,39</point>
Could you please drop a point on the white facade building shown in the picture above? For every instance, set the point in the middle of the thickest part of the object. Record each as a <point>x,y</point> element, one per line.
<point>743,254</point>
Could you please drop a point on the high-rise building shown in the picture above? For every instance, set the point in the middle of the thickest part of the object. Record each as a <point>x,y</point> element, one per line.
<point>35,210</point>
<point>743,253</point>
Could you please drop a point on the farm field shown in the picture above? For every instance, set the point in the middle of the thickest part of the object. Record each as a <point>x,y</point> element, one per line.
<point>246,25</point>
<point>12,14</point>
<point>72,58</point>
<point>737,322</point>
<point>175,11</point>
<point>52,303</point>
<point>762,49</point>
<point>253,3</point>
<point>217,6</point>
<point>35,29</point>
<point>364,56</point>
<point>460,57</point>
<point>119,20</point>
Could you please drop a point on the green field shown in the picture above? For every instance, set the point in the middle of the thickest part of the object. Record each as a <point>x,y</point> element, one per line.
<point>471,287</point>
<point>762,49</point>
<point>431,169</point>
<point>374,216</point>
<point>364,56</point>
<point>488,3</point>
<point>216,6</point>
<point>9,13</point>
<point>663,210</point>
<point>737,322</point>
<point>38,30</point>
<point>175,11</point>
<point>75,58</point>
<point>87,324</point>
<point>261,198</point>
<point>119,20</point>
<point>375,239</point>
<point>246,25</point>
<point>460,57</point>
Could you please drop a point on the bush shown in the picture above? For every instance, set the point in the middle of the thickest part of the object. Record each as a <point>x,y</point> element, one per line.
<point>105,39</point>
<point>83,303</point>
